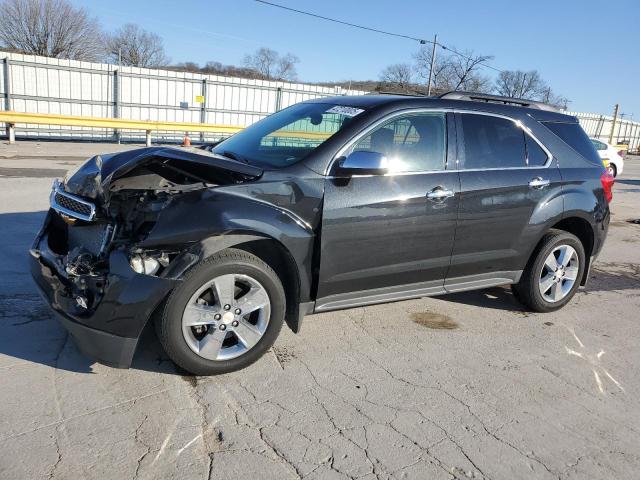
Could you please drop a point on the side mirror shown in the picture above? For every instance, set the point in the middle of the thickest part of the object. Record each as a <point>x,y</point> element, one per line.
<point>363,163</point>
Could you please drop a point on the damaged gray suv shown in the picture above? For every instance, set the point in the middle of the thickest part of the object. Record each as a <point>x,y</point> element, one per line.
<point>328,204</point>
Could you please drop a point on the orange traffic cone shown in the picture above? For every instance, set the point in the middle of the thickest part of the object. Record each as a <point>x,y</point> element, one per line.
<point>186,142</point>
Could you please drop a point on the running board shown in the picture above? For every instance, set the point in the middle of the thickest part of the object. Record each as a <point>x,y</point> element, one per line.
<point>416,290</point>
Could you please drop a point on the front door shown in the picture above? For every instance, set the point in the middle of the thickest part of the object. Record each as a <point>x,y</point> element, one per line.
<point>387,237</point>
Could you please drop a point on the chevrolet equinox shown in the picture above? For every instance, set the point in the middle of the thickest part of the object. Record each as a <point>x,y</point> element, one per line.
<point>328,204</point>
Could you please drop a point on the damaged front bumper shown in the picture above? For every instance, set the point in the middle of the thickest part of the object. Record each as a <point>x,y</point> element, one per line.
<point>104,313</point>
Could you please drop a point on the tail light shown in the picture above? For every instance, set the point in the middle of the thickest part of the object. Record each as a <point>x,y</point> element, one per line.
<point>607,185</point>
<point>621,153</point>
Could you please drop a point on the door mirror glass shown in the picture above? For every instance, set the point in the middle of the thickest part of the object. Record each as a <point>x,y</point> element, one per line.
<point>364,162</point>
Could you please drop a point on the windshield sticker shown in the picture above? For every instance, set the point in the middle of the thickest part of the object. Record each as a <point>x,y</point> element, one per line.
<point>348,111</point>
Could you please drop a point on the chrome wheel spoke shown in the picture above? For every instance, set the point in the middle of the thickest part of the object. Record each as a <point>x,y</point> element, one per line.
<point>551,262</point>
<point>196,314</point>
<point>248,334</point>
<point>225,288</point>
<point>566,254</point>
<point>253,300</point>
<point>571,273</point>
<point>211,344</point>
<point>556,292</point>
<point>545,283</point>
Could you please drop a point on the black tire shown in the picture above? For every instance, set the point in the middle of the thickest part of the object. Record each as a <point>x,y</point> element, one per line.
<point>613,169</point>
<point>169,324</point>
<point>527,290</point>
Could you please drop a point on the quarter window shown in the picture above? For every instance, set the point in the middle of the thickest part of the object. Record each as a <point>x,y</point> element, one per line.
<point>411,143</point>
<point>536,156</point>
<point>492,142</point>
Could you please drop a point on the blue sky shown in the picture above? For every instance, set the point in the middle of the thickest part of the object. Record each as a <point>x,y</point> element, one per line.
<point>584,50</point>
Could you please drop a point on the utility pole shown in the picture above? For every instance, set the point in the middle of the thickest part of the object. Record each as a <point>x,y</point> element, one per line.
<point>433,62</point>
<point>613,125</point>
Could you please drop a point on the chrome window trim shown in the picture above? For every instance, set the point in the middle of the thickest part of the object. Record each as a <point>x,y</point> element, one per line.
<point>376,124</point>
<point>523,127</point>
<point>58,190</point>
<point>409,111</point>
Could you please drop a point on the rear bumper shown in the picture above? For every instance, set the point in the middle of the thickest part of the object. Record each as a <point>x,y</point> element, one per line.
<point>120,303</point>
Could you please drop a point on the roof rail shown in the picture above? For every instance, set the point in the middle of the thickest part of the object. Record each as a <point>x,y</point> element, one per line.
<point>483,97</point>
<point>402,94</point>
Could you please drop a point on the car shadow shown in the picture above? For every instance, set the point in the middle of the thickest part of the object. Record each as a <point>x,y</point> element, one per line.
<point>497,298</point>
<point>628,182</point>
<point>30,330</point>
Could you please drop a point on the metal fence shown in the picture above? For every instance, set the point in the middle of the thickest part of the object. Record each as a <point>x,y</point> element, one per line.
<point>34,84</point>
<point>52,86</point>
<point>603,128</point>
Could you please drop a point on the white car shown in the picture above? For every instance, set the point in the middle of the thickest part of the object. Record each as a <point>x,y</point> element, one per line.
<point>611,156</point>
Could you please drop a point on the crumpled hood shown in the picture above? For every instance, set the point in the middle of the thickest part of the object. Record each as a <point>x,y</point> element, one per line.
<point>93,177</point>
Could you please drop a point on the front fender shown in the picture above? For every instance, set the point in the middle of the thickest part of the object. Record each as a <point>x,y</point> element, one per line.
<point>202,223</point>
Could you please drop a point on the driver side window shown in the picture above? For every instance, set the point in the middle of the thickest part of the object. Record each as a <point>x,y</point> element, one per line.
<point>412,143</point>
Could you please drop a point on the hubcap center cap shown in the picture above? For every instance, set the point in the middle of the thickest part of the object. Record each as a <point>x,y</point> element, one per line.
<point>228,317</point>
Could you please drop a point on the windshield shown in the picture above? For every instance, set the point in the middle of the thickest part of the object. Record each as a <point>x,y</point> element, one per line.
<point>288,136</point>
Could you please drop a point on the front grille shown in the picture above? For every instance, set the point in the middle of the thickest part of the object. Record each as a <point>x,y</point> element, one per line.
<point>72,204</point>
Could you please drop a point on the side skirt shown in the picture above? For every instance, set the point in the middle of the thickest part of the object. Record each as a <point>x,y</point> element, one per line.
<point>415,290</point>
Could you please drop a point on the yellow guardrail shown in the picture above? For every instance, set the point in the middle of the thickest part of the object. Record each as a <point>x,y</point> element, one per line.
<point>16,118</point>
<point>13,118</point>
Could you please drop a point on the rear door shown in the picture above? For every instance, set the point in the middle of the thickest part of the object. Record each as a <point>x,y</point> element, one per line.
<point>386,237</point>
<point>507,180</point>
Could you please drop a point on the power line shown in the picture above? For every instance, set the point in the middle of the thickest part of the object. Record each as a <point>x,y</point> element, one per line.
<point>376,30</point>
<point>362,27</point>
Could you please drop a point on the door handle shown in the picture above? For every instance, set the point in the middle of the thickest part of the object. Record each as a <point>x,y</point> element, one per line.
<point>538,182</point>
<point>439,194</point>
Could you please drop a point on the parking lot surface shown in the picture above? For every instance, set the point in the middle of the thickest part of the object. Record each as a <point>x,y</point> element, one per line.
<point>468,385</point>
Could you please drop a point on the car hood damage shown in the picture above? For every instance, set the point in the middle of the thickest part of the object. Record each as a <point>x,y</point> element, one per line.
<point>155,168</point>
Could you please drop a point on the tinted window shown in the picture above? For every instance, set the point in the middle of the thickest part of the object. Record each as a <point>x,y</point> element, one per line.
<point>411,143</point>
<point>492,142</point>
<point>574,136</point>
<point>598,145</point>
<point>289,135</point>
<point>536,156</point>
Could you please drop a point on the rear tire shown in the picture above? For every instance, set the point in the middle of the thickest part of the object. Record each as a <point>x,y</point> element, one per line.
<point>204,329</point>
<point>553,274</point>
<point>613,170</point>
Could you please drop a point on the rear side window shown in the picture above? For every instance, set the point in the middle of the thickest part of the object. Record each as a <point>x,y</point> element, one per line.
<point>492,142</point>
<point>574,136</point>
<point>536,156</point>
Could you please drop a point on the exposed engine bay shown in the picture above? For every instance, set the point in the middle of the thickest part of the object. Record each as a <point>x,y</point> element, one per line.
<point>101,208</point>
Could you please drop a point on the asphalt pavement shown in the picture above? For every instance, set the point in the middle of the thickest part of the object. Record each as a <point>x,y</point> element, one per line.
<point>468,385</point>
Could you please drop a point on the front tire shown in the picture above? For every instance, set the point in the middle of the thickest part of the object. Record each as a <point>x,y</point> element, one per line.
<point>226,313</point>
<point>553,274</point>
<point>613,170</point>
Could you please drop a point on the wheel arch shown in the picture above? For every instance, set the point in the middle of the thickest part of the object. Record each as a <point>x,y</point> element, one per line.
<point>582,229</point>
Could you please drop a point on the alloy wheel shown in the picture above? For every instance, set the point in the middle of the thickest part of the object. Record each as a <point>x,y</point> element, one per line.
<point>559,273</point>
<point>226,317</point>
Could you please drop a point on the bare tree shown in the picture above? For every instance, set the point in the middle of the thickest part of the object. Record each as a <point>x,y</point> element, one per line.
<point>398,74</point>
<point>519,84</point>
<point>529,85</point>
<point>51,28</point>
<point>466,71</point>
<point>270,65</point>
<point>453,71</point>
<point>134,46</point>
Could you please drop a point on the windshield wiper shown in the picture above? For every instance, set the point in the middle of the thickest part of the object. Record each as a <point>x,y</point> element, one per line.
<point>234,156</point>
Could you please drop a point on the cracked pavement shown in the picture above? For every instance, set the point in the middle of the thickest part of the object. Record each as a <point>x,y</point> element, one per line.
<point>461,386</point>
